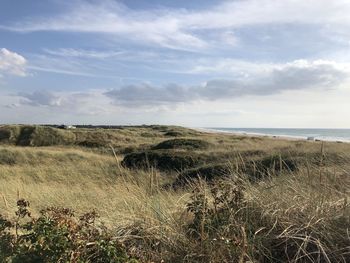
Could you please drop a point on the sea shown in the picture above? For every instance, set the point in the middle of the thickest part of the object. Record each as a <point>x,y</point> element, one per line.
<point>340,135</point>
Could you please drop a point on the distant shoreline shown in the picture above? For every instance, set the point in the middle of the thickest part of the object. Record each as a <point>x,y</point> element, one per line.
<point>274,136</point>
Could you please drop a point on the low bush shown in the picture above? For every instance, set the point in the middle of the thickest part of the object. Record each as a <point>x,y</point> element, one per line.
<point>9,134</point>
<point>174,134</point>
<point>188,144</point>
<point>206,172</point>
<point>57,235</point>
<point>91,144</point>
<point>4,134</point>
<point>48,136</point>
<point>254,169</point>
<point>163,160</point>
<point>277,163</point>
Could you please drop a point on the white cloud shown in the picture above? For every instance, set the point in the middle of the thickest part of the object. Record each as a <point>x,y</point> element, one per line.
<point>81,53</point>
<point>183,29</point>
<point>74,102</point>
<point>109,17</point>
<point>40,98</point>
<point>12,63</point>
<point>251,81</point>
<point>293,108</point>
<point>84,63</point>
<point>233,14</point>
<point>269,80</point>
<point>229,38</point>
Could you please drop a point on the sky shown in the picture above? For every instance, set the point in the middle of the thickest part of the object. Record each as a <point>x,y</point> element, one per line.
<point>203,63</point>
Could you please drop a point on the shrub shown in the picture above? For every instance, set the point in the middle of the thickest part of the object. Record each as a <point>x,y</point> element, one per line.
<point>207,172</point>
<point>57,235</point>
<point>9,134</point>
<point>217,228</point>
<point>189,144</point>
<point>174,134</point>
<point>91,144</point>
<point>4,134</point>
<point>163,160</point>
<point>47,136</point>
<point>254,169</point>
<point>147,135</point>
<point>276,163</point>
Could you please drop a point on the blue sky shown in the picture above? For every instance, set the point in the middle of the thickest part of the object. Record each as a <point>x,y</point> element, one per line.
<point>240,63</point>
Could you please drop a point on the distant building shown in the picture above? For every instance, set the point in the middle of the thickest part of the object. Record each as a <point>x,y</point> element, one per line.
<point>66,127</point>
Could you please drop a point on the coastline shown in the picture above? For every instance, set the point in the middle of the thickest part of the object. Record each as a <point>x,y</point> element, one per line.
<point>272,136</point>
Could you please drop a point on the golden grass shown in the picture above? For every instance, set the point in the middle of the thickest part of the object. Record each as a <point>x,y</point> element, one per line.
<point>306,211</point>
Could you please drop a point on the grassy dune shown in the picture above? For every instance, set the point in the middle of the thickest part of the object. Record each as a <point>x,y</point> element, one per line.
<point>179,195</point>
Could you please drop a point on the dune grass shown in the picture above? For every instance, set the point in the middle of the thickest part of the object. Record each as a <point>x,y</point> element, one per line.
<point>289,215</point>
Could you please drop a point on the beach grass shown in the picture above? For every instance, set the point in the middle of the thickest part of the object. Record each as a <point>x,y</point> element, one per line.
<point>276,200</point>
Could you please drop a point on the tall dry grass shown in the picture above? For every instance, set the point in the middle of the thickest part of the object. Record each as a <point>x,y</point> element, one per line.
<point>300,216</point>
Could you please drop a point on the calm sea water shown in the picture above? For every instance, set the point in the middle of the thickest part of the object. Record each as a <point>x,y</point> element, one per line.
<point>320,134</point>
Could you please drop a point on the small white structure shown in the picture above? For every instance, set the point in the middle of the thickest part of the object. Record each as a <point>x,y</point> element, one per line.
<point>310,138</point>
<point>66,127</point>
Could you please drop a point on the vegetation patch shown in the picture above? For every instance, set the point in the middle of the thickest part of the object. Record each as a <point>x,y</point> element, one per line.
<point>227,227</point>
<point>174,134</point>
<point>7,157</point>
<point>5,134</point>
<point>57,235</point>
<point>46,136</point>
<point>163,160</point>
<point>254,168</point>
<point>91,144</point>
<point>278,163</point>
<point>189,144</point>
<point>9,134</point>
<point>206,172</point>
<point>248,200</point>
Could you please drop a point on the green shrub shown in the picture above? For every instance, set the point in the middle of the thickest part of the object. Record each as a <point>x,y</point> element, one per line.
<point>91,144</point>
<point>24,137</point>
<point>278,163</point>
<point>147,135</point>
<point>47,136</point>
<point>9,134</point>
<point>216,228</point>
<point>57,235</point>
<point>206,172</point>
<point>174,134</point>
<point>163,160</point>
<point>4,134</point>
<point>188,144</point>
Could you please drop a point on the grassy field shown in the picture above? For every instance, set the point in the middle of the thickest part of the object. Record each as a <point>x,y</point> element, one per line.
<point>171,194</point>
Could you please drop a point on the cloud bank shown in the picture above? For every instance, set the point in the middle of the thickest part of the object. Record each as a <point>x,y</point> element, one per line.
<point>270,80</point>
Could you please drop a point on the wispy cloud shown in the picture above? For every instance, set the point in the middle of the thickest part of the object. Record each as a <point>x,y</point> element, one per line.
<point>81,53</point>
<point>12,63</point>
<point>183,29</point>
<point>109,17</point>
<point>75,62</point>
